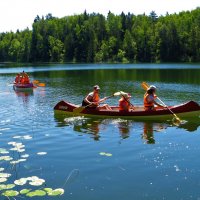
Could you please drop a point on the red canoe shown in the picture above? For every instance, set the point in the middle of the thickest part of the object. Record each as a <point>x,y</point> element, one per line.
<point>23,87</point>
<point>187,110</point>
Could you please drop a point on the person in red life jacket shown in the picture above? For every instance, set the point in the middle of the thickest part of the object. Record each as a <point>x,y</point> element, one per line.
<point>17,78</point>
<point>92,100</point>
<point>149,99</point>
<point>124,103</point>
<point>25,78</point>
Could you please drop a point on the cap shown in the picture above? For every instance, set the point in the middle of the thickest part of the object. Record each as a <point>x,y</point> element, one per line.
<point>152,87</point>
<point>96,87</point>
<point>127,95</point>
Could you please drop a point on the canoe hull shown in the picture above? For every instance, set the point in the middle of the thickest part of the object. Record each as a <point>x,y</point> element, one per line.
<point>187,110</point>
<point>23,87</point>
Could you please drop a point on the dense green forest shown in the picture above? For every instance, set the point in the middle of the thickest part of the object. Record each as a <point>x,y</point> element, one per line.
<point>115,38</point>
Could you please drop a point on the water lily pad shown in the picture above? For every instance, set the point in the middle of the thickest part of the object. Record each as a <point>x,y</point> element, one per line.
<point>27,137</point>
<point>21,181</point>
<point>8,186</point>
<point>10,193</point>
<point>6,158</point>
<point>3,151</point>
<point>36,193</point>
<point>1,169</point>
<point>42,153</point>
<point>17,136</point>
<point>17,161</point>
<point>25,156</point>
<point>108,154</point>
<point>4,175</point>
<point>105,154</point>
<point>12,143</point>
<point>3,180</point>
<point>25,191</point>
<point>37,182</point>
<point>56,192</point>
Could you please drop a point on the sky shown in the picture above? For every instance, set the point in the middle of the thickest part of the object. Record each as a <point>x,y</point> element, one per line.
<point>20,14</point>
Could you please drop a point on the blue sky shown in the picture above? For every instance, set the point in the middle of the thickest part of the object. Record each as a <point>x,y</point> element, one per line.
<point>19,14</point>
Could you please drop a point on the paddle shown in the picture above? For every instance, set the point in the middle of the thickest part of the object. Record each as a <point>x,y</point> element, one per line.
<point>37,83</point>
<point>81,108</point>
<point>145,86</point>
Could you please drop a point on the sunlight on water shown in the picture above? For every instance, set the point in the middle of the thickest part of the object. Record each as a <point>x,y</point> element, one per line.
<point>137,160</point>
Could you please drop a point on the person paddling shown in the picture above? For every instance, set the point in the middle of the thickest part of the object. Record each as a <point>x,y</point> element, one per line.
<point>92,100</point>
<point>149,99</point>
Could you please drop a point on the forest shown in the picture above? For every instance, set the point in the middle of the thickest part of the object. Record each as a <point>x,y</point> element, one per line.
<point>95,38</point>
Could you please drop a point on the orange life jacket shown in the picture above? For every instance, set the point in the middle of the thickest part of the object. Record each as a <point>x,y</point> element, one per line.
<point>26,79</point>
<point>95,97</point>
<point>146,103</point>
<point>123,104</point>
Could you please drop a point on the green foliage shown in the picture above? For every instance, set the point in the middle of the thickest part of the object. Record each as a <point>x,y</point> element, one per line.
<point>115,38</point>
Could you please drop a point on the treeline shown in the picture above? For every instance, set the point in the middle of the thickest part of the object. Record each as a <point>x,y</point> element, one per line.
<point>116,38</point>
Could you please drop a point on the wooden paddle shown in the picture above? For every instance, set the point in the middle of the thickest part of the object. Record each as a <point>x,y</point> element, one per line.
<point>37,83</point>
<point>145,86</point>
<point>81,108</point>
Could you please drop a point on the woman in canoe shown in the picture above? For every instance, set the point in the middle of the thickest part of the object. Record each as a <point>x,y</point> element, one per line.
<point>149,99</point>
<point>124,103</point>
<point>92,100</point>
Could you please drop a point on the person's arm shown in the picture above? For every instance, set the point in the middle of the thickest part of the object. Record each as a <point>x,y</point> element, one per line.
<point>87,99</point>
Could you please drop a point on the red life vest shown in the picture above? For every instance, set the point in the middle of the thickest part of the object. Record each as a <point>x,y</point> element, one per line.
<point>123,105</point>
<point>95,97</point>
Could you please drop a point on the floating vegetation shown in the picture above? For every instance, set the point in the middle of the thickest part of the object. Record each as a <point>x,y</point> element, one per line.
<point>55,192</point>
<point>25,137</point>
<point>36,193</point>
<point>3,180</point>
<point>1,169</point>
<point>10,193</point>
<point>25,156</point>
<point>105,154</point>
<point>17,146</point>
<point>3,151</point>
<point>14,162</point>
<point>4,175</point>
<point>6,187</point>
<point>21,181</point>
<point>6,158</point>
<point>42,153</point>
<point>24,191</point>
<point>33,181</point>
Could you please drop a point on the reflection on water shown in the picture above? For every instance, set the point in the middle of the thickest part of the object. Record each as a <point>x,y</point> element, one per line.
<point>124,127</point>
<point>73,142</point>
<point>150,128</point>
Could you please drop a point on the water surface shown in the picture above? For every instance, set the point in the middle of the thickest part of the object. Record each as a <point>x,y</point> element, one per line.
<point>95,159</point>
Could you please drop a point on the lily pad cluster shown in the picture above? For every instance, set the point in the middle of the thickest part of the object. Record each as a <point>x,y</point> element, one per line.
<point>105,154</point>
<point>8,190</point>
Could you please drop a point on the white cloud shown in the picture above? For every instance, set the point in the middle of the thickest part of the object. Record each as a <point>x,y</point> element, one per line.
<point>19,14</point>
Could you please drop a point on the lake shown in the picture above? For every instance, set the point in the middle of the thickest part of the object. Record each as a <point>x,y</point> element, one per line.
<point>91,158</point>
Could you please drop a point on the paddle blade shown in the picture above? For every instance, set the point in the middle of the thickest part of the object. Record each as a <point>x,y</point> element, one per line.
<point>117,94</point>
<point>79,109</point>
<point>144,85</point>
<point>122,93</point>
<point>35,81</point>
<point>41,84</point>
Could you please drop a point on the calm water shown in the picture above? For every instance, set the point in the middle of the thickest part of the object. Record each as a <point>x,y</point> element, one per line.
<point>95,159</point>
